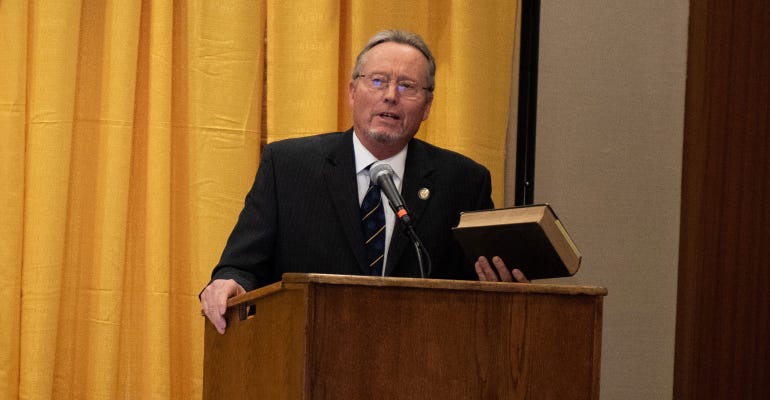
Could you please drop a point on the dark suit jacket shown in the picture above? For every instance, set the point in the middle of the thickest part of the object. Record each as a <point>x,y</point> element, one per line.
<point>302,213</point>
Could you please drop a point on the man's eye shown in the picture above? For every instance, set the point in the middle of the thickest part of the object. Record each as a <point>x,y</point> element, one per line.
<point>377,82</point>
<point>406,85</point>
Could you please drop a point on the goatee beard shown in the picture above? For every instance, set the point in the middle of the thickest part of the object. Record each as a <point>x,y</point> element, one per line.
<point>382,137</point>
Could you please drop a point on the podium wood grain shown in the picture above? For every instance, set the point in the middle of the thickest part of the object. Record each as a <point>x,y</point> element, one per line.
<point>317,336</point>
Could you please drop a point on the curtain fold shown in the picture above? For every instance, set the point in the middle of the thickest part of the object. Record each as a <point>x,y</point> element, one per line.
<point>303,82</point>
<point>13,105</point>
<point>51,70</point>
<point>132,131</point>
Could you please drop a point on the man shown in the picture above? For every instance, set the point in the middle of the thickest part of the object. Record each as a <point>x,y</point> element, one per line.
<point>303,213</point>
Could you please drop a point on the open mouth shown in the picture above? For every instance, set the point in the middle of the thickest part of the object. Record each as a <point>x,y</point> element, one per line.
<point>388,116</point>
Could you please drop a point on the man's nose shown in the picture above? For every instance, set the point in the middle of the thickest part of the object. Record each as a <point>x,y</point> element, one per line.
<point>391,93</point>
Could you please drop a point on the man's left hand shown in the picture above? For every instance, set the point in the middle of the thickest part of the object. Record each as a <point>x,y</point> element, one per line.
<point>486,271</point>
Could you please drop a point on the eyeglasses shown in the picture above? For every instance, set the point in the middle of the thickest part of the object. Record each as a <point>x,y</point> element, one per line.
<point>407,89</point>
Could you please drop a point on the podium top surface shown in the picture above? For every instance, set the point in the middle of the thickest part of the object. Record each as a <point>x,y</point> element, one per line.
<point>434,284</point>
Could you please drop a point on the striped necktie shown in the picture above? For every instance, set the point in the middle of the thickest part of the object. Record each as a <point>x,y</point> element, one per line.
<point>373,224</point>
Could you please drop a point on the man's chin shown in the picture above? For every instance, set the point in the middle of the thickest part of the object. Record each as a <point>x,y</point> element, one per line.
<point>385,137</point>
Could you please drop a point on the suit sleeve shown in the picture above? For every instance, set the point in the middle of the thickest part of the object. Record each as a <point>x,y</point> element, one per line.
<point>249,253</point>
<point>484,200</point>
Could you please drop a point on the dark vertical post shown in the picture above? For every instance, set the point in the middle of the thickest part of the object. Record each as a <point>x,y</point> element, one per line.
<point>525,132</point>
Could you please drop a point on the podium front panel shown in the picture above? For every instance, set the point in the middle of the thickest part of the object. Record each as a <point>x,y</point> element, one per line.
<point>336,337</point>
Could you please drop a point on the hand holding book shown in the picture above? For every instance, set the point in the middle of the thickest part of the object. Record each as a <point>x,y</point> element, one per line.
<point>530,237</point>
<point>498,271</point>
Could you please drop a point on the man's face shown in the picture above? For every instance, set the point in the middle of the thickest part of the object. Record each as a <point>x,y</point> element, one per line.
<point>386,119</point>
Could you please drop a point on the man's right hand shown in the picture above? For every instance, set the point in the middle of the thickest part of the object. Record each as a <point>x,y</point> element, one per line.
<point>214,300</point>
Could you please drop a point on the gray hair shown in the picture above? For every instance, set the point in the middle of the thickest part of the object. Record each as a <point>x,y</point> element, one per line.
<point>402,37</point>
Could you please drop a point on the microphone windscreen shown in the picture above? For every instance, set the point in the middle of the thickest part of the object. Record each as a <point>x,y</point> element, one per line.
<point>379,169</point>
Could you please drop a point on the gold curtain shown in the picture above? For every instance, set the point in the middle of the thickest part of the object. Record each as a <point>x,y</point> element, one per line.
<point>131,132</point>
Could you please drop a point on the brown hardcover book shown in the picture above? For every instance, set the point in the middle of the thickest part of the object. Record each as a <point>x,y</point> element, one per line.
<point>530,238</point>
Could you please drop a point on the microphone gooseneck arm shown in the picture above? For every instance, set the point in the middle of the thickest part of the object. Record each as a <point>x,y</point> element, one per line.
<point>419,248</point>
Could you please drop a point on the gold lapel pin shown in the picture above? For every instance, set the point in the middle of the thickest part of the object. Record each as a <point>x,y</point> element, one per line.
<point>423,193</point>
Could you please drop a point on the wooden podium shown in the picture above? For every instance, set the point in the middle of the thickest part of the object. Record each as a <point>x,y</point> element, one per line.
<point>314,336</point>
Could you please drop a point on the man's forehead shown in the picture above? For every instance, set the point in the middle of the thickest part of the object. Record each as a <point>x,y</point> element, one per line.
<point>396,48</point>
<point>390,52</point>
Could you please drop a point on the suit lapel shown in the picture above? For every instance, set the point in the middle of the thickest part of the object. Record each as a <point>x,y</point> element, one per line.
<point>417,175</point>
<point>340,177</point>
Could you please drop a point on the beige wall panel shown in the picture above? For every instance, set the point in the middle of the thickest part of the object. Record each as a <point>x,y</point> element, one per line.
<point>609,151</point>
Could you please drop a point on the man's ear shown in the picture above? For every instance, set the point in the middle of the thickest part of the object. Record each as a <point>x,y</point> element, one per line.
<point>351,93</point>
<point>427,108</point>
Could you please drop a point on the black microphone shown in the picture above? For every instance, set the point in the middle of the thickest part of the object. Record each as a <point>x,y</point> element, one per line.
<point>382,175</point>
